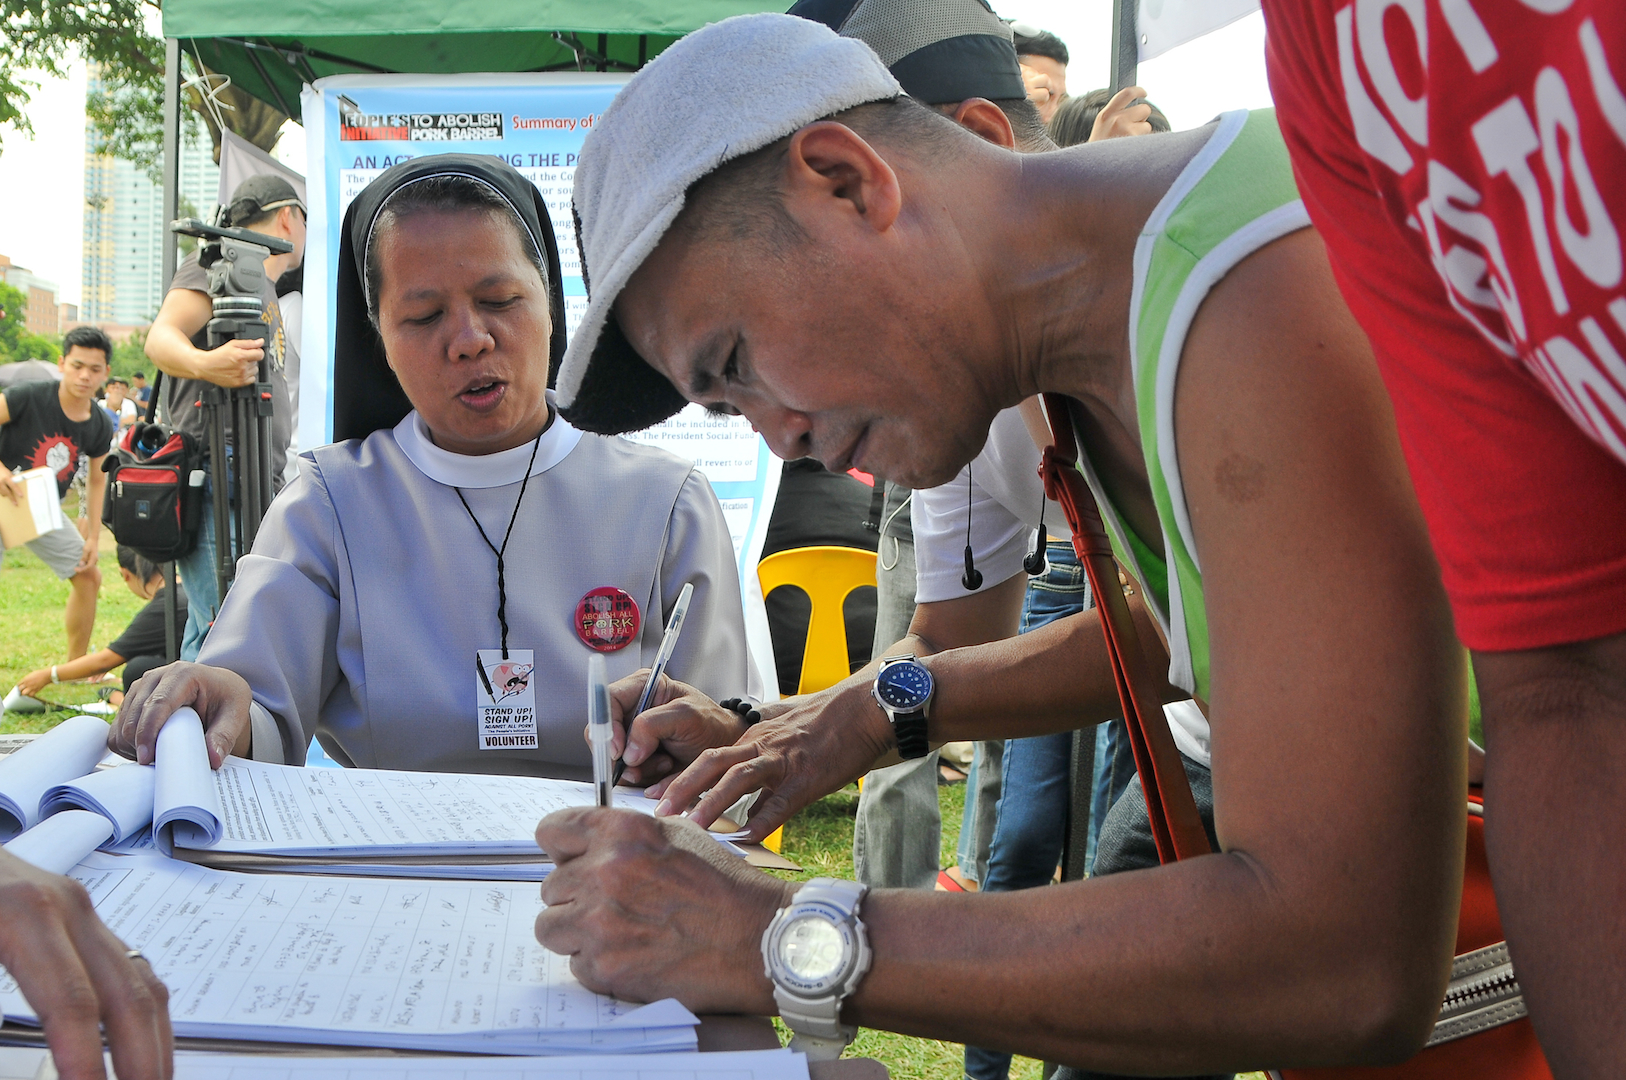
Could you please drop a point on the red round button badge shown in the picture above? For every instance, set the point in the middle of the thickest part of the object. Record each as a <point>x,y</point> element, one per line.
<point>607,619</point>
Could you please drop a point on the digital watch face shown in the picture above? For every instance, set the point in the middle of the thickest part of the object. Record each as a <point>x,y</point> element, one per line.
<point>813,949</point>
<point>904,687</point>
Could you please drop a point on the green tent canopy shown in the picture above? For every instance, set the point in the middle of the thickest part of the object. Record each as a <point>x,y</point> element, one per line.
<point>271,47</point>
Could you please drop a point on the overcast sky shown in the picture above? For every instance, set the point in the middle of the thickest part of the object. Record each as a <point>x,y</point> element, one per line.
<point>42,179</point>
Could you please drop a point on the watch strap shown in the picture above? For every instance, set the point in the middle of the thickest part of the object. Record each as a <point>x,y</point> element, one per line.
<point>909,729</point>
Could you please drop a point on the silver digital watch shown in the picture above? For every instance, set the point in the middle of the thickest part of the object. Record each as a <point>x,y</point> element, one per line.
<point>816,951</point>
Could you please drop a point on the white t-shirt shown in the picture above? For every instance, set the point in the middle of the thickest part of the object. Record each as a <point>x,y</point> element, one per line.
<point>1005,493</point>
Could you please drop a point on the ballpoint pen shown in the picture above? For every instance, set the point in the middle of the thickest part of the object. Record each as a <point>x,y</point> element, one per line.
<point>674,627</point>
<point>598,727</point>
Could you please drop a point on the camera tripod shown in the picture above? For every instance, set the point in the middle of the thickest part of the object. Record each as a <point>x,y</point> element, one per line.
<point>238,418</point>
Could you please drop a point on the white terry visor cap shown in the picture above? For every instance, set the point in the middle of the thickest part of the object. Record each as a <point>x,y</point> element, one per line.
<point>724,91</point>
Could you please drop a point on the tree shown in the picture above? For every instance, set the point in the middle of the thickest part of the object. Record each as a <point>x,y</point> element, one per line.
<point>130,356</point>
<point>31,346</point>
<point>17,342</point>
<point>126,110</point>
<point>13,311</point>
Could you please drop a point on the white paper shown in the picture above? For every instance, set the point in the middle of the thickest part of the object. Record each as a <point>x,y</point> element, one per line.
<point>67,752</point>
<point>25,1063</point>
<point>739,1065</point>
<point>43,501</point>
<point>525,871</point>
<point>285,810</point>
<point>186,805</point>
<point>123,795</point>
<point>347,961</point>
<point>61,841</point>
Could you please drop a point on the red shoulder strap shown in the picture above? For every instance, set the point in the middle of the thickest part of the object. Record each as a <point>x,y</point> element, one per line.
<point>1176,826</point>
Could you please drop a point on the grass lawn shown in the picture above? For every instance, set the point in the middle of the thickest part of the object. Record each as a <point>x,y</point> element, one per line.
<point>32,599</point>
<point>820,838</point>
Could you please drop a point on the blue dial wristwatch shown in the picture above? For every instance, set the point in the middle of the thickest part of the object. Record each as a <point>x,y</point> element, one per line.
<point>903,688</point>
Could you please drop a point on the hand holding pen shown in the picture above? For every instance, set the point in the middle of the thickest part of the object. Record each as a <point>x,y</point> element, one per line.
<point>663,655</point>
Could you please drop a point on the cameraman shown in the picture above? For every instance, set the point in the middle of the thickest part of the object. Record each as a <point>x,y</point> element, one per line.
<point>178,342</point>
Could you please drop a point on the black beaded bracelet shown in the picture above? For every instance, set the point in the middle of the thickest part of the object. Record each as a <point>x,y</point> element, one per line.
<point>747,710</point>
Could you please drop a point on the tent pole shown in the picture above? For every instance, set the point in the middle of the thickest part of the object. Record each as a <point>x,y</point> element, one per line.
<point>172,173</point>
<point>265,77</point>
<point>1125,43</point>
<point>172,152</point>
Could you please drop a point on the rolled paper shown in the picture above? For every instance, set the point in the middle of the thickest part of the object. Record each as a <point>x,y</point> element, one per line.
<point>66,752</point>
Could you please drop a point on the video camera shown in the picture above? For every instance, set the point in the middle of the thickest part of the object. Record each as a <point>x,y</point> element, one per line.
<point>234,259</point>
<point>239,418</point>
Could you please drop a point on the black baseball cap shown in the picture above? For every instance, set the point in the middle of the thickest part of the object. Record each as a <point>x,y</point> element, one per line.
<point>940,51</point>
<point>260,194</point>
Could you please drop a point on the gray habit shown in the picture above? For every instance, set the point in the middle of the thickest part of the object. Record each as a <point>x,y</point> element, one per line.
<point>357,616</point>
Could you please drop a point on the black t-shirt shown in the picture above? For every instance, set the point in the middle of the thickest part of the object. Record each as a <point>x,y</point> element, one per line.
<point>145,634</point>
<point>39,433</point>
<point>181,395</point>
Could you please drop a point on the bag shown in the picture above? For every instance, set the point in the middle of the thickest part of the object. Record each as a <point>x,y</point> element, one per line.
<point>154,491</point>
<point>1483,1031</point>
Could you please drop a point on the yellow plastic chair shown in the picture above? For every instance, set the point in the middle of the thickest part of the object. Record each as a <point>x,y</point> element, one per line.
<point>828,575</point>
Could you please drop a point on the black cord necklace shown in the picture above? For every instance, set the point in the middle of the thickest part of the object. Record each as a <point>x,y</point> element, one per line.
<point>502,585</point>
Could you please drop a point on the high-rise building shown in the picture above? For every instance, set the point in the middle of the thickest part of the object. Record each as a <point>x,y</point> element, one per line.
<point>125,232</point>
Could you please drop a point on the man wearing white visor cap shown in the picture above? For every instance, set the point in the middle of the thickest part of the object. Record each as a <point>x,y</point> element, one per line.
<point>870,284</point>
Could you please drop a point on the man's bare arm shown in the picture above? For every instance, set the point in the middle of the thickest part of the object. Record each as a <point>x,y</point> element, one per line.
<point>1322,933</point>
<point>96,495</point>
<point>8,488</point>
<point>977,617</point>
<point>1555,734</point>
<point>169,343</point>
<point>994,686</point>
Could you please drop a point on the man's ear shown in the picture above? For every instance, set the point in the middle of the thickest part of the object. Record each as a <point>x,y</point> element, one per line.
<point>986,120</point>
<point>829,161</point>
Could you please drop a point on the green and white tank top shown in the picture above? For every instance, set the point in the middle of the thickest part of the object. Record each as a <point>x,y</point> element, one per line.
<point>1234,197</point>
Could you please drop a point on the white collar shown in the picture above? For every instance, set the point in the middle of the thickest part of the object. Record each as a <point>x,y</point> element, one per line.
<point>484,470</point>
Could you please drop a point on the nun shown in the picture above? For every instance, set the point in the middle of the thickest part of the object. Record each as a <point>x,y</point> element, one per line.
<point>427,593</point>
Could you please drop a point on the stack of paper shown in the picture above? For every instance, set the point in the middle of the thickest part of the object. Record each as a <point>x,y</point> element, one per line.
<point>30,1064</point>
<point>359,962</point>
<point>738,1065</point>
<point>24,1064</point>
<point>249,815</point>
<point>64,807</point>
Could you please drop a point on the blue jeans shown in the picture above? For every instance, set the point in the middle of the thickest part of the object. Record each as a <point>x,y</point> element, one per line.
<point>1028,837</point>
<point>981,813</point>
<point>198,571</point>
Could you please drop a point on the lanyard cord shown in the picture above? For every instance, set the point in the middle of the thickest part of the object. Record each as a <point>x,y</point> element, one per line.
<point>502,588</point>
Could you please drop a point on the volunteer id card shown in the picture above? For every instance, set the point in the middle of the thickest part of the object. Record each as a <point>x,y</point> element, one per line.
<point>505,699</point>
